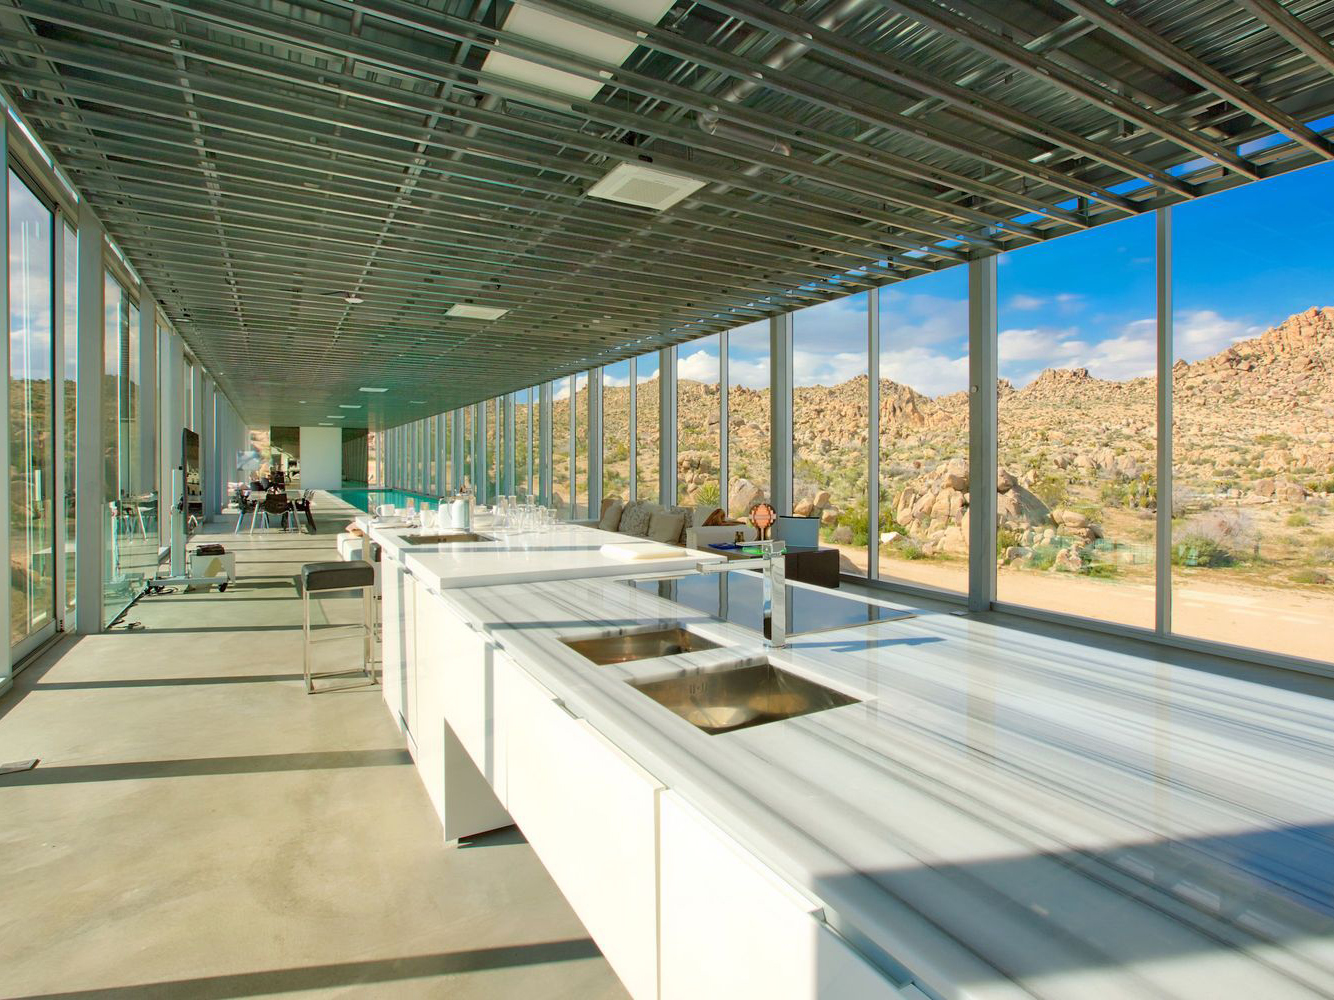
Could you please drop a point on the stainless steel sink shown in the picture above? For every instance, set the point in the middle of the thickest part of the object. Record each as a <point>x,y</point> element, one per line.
<point>755,693</point>
<point>629,646</point>
<point>462,536</point>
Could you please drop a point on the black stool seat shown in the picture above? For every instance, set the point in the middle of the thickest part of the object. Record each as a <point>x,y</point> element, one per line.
<point>339,575</point>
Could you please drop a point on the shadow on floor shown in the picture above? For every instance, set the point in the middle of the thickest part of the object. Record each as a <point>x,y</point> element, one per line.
<point>199,766</point>
<point>343,974</point>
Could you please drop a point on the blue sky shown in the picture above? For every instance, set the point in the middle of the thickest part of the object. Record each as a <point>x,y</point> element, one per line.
<point>1243,260</point>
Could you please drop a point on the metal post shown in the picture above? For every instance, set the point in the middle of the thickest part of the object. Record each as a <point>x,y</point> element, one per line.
<point>509,445</point>
<point>595,442</point>
<point>92,513</point>
<point>1163,541</point>
<point>982,434</point>
<point>723,404</point>
<point>148,395</point>
<point>172,399</point>
<point>632,488</point>
<point>206,483</point>
<point>873,433</point>
<point>544,432</point>
<point>667,443</point>
<point>780,413</point>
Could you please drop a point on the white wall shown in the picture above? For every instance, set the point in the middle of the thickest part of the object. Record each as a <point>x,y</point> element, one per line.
<point>321,458</point>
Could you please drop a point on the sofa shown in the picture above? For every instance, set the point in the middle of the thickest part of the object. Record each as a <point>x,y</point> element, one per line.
<point>636,519</point>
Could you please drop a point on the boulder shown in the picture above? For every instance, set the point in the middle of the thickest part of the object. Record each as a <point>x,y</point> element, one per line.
<point>889,537</point>
<point>842,535</point>
<point>1068,561</point>
<point>821,500</point>
<point>804,508</point>
<point>1005,481</point>
<point>829,517</point>
<point>744,495</point>
<point>1069,518</point>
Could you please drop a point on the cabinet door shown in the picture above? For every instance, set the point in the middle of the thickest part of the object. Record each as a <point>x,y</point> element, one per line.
<point>428,716</point>
<point>732,928</point>
<point>590,814</point>
<point>393,640</point>
<point>468,675</point>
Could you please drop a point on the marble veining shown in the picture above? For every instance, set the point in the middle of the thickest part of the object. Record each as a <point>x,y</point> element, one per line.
<point>1006,814</point>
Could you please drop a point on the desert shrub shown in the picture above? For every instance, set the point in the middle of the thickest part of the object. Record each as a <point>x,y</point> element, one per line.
<point>911,550</point>
<point>858,519</point>
<point>1297,520</point>
<point>1309,576</point>
<point>1043,557</point>
<point>708,495</point>
<point>1220,537</point>
<point>1051,490</point>
<point>1321,486</point>
<point>1101,571</point>
<point>1005,537</point>
<point>1196,550</point>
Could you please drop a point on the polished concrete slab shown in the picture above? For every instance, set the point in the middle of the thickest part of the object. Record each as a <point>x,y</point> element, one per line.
<point>200,827</point>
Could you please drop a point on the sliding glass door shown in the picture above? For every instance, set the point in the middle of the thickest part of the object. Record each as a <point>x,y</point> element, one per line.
<point>32,457</point>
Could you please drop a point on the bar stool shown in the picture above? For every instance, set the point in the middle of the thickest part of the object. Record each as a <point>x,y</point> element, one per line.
<point>327,577</point>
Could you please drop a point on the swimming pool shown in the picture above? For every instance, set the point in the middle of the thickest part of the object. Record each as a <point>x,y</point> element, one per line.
<point>364,498</point>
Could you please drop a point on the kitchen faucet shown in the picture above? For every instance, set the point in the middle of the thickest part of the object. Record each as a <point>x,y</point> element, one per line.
<point>773,566</point>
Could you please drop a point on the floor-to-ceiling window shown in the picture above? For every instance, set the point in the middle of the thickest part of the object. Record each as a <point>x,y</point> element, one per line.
<point>1076,431</point>
<point>647,427</point>
<point>580,486</point>
<point>747,417</point>
<point>1253,406</point>
<point>32,482</point>
<point>561,470</point>
<point>830,403</point>
<point>923,530</point>
<point>523,443</point>
<point>616,430</point>
<point>116,589</point>
<point>69,251</point>
<point>698,416</point>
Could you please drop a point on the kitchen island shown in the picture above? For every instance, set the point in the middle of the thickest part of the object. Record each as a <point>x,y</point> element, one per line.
<point>988,812</point>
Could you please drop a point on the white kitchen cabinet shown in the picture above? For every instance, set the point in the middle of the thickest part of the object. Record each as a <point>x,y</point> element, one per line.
<point>732,928</point>
<point>394,639</point>
<point>461,794</point>
<point>589,813</point>
<point>469,691</point>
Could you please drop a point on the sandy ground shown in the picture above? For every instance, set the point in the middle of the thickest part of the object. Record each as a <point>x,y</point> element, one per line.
<point>1280,620</point>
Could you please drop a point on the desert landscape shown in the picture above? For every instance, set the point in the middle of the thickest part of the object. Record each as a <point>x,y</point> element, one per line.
<point>1252,508</point>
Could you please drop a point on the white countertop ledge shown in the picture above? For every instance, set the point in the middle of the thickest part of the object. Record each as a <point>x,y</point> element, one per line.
<point>1007,814</point>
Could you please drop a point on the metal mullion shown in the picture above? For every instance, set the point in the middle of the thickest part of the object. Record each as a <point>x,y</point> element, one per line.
<point>873,433</point>
<point>596,441</point>
<point>545,436</point>
<point>723,418</point>
<point>982,420</point>
<point>667,437</point>
<point>574,447</point>
<point>1165,473</point>
<point>633,485</point>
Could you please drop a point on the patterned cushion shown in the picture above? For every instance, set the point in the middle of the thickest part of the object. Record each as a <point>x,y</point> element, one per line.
<point>635,518</point>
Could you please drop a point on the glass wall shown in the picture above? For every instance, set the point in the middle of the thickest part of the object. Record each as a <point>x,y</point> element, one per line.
<point>1077,356</point>
<point>1253,417</point>
<point>748,437</point>
<point>698,419</point>
<point>31,415</point>
<point>524,482</point>
<point>923,328</point>
<point>69,325</point>
<point>579,492</point>
<point>647,427</point>
<point>560,445</point>
<point>830,407</point>
<point>616,430</point>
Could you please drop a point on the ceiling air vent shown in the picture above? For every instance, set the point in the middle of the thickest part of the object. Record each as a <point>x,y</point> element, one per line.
<point>464,311</point>
<point>645,186</point>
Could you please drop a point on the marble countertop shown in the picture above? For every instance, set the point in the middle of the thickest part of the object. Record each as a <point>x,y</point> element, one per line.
<point>562,552</point>
<point>1007,814</point>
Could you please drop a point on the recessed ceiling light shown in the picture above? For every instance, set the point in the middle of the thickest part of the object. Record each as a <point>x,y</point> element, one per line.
<point>353,299</point>
<point>371,388</point>
<point>463,310</point>
<point>645,186</point>
<point>323,423</point>
<point>335,416</point>
<point>347,406</point>
<point>417,402</point>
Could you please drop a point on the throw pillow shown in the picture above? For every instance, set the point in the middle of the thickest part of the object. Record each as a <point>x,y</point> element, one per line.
<point>666,527</point>
<point>611,515</point>
<point>635,518</point>
<point>715,519</point>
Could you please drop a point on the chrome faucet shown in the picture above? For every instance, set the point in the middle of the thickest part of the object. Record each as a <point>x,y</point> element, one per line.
<point>773,566</point>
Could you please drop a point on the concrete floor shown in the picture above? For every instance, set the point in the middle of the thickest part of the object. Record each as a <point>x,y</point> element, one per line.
<point>200,827</point>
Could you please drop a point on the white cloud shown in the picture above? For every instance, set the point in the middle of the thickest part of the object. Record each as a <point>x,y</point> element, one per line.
<point>1024,302</point>
<point>615,381</point>
<point>929,372</point>
<point>810,368</point>
<point>751,374</point>
<point>700,366</point>
<point>1200,333</point>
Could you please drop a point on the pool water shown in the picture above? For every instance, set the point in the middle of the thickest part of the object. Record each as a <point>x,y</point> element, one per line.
<point>365,499</point>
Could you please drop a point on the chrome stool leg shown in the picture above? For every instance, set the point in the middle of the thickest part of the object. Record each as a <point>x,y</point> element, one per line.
<point>366,627</point>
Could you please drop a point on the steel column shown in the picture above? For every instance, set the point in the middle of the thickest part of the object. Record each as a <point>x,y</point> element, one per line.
<point>982,434</point>
<point>1163,513</point>
<point>780,413</point>
<point>89,459</point>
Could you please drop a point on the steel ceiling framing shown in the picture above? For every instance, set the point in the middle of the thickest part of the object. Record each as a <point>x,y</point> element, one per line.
<point>257,159</point>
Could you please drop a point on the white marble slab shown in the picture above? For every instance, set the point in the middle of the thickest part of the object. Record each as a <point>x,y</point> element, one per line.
<point>1006,814</point>
<point>565,551</point>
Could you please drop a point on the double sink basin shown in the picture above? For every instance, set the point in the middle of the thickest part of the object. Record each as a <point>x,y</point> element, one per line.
<point>751,692</point>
